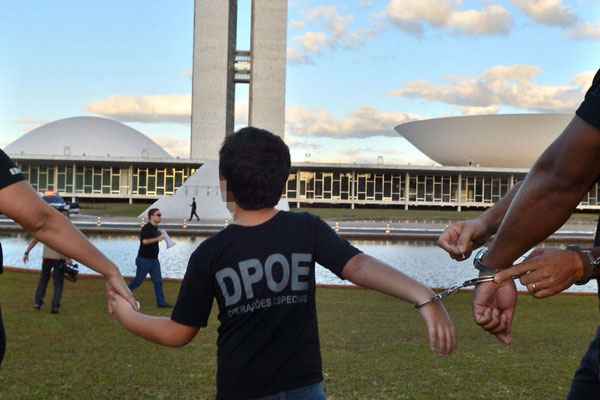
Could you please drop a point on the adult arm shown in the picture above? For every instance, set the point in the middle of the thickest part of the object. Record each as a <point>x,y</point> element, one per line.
<point>20,203</point>
<point>461,238</point>
<point>157,239</point>
<point>550,193</point>
<point>30,247</point>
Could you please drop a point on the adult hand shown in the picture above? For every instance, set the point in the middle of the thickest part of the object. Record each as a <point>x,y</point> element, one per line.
<point>546,272</point>
<point>117,284</point>
<point>461,238</point>
<point>494,309</point>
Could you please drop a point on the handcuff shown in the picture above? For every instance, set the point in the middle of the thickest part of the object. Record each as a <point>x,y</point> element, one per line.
<point>486,274</point>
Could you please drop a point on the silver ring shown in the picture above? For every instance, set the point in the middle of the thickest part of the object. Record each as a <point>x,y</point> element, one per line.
<point>533,286</point>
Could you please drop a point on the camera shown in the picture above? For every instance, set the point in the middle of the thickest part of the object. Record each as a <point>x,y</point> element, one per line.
<point>71,271</point>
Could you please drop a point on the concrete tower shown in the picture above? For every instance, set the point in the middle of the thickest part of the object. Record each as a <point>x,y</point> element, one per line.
<point>218,67</point>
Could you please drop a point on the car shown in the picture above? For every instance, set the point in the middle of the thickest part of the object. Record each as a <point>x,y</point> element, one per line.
<point>74,208</point>
<point>56,201</point>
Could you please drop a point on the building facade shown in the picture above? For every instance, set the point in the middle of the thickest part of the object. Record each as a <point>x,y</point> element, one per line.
<point>122,180</point>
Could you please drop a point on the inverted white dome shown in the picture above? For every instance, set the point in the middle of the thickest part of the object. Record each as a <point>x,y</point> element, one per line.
<point>504,141</point>
<point>91,137</point>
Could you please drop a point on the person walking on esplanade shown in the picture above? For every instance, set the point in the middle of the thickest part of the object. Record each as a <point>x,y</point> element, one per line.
<point>53,263</point>
<point>147,257</point>
<point>194,207</point>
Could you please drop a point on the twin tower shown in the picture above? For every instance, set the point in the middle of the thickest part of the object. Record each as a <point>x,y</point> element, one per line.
<point>219,66</point>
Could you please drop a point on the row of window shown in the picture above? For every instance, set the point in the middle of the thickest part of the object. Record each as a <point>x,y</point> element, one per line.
<point>302,186</point>
<point>397,187</point>
<point>79,179</point>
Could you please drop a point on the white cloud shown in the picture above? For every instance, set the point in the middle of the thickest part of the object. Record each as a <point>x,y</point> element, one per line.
<point>585,31</point>
<point>512,86</point>
<point>555,13</point>
<point>548,12</point>
<point>386,150</point>
<point>300,121</point>
<point>493,20</point>
<point>313,42</point>
<point>584,80</point>
<point>336,32</point>
<point>297,24</point>
<point>162,108</point>
<point>364,122</point>
<point>295,56</point>
<point>413,16</point>
<point>175,147</point>
<point>480,110</point>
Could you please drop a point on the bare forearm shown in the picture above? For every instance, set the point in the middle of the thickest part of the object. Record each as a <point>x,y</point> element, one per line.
<point>31,245</point>
<point>368,272</point>
<point>549,194</point>
<point>159,330</point>
<point>493,217</point>
<point>51,227</point>
<point>153,329</point>
<point>58,233</point>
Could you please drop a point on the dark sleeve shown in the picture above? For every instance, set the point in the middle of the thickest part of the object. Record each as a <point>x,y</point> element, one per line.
<point>148,232</point>
<point>9,173</point>
<point>589,110</point>
<point>197,291</point>
<point>331,251</point>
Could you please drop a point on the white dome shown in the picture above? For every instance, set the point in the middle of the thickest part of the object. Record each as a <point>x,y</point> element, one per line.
<point>89,137</point>
<point>505,141</point>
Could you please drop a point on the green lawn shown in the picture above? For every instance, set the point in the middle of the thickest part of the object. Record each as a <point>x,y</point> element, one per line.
<point>373,348</point>
<point>331,214</point>
<point>113,209</point>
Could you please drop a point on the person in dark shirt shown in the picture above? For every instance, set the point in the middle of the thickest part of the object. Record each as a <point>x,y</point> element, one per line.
<point>146,261</point>
<point>531,212</point>
<point>261,271</point>
<point>20,202</point>
<point>194,208</point>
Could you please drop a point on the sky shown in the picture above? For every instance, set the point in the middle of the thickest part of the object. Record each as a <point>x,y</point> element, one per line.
<point>356,68</point>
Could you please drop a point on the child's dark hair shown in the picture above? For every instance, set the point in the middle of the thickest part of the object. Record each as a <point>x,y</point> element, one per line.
<point>151,212</point>
<point>256,165</point>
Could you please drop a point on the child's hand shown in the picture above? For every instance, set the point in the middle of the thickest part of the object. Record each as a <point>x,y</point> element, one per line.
<point>442,335</point>
<point>117,304</point>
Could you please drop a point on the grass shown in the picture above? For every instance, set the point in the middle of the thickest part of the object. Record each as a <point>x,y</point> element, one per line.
<point>330,214</point>
<point>387,214</point>
<point>373,348</point>
<point>113,209</point>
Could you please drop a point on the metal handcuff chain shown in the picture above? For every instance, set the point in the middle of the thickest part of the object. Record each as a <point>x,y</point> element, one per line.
<point>486,276</point>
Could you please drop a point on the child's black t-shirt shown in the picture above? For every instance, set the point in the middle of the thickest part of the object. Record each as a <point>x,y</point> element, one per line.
<point>263,278</point>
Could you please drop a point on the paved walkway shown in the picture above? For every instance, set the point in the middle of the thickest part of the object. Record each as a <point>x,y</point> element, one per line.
<point>380,230</point>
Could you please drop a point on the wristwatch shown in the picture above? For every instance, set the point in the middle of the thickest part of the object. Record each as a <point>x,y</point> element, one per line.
<point>592,268</point>
<point>483,269</point>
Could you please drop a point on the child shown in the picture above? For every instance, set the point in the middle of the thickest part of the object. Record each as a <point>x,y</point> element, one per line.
<point>261,271</point>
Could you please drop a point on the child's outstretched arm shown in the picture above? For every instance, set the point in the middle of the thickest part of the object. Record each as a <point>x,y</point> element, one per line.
<point>368,272</point>
<point>160,330</point>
